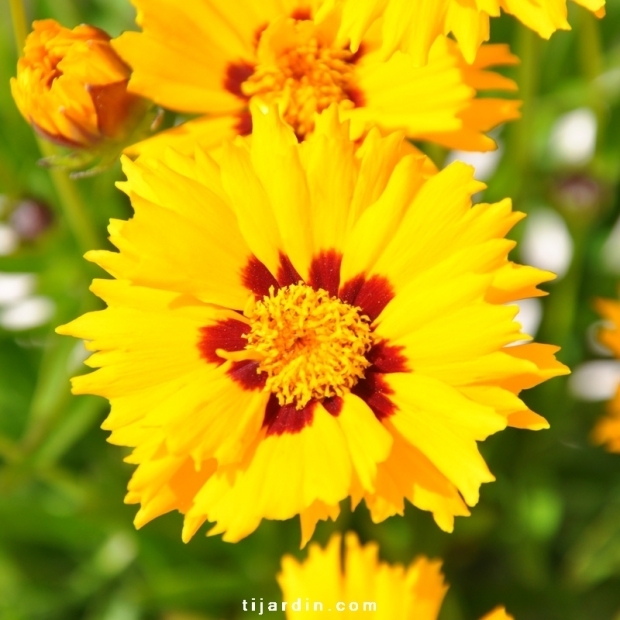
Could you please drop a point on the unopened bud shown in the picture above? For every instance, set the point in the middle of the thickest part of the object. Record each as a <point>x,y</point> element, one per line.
<point>71,86</point>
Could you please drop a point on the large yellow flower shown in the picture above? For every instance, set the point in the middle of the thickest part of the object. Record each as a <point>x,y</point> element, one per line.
<point>607,431</point>
<point>360,584</point>
<point>212,57</point>
<point>304,322</point>
<point>413,27</point>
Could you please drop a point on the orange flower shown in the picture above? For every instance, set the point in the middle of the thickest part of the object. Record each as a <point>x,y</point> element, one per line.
<point>607,431</point>
<point>71,86</point>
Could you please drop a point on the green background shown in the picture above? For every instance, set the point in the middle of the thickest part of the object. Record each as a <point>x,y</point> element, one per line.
<point>544,539</point>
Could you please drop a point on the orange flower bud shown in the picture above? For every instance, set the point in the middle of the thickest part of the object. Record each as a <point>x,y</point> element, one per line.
<point>72,87</point>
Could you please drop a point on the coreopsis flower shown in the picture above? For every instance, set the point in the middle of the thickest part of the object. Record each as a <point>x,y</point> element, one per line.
<point>71,86</point>
<point>360,582</point>
<point>300,323</point>
<point>213,57</point>
<point>607,431</point>
<point>413,27</point>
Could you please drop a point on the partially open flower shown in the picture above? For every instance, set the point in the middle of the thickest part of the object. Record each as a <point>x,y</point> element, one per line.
<point>360,582</point>
<point>71,86</point>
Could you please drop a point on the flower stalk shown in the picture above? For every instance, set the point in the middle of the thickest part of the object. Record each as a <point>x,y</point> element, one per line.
<point>70,201</point>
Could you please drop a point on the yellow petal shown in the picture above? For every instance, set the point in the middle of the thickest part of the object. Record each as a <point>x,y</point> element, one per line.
<point>188,237</point>
<point>205,133</point>
<point>285,475</point>
<point>181,58</point>
<point>498,614</point>
<point>368,442</point>
<point>408,474</point>
<point>318,511</point>
<point>445,426</point>
<point>277,164</point>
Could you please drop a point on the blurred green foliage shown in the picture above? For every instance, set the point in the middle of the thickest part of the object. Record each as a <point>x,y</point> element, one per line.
<point>545,538</point>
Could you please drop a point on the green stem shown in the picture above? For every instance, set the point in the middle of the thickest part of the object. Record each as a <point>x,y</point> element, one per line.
<point>527,50</point>
<point>20,24</point>
<point>591,60</point>
<point>8,450</point>
<point>8,177</point>
<point>72,206</point>
<point>69,197</point>
<point>560,318</point>
<point>590,50</point>
<point>561,310</point>
<point>52,395</point>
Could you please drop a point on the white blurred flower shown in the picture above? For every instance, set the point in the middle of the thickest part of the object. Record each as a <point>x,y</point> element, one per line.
<point>485,163</point>
<point>530,315</point>
<point>27,313</point>
<point>573,137</point>
<point>15,286</point>
<point>8,240</point>
<point>547,243</point>
<point>595,380</point>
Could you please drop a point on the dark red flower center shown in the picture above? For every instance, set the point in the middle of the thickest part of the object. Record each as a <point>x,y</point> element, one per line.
<point>367,296</point>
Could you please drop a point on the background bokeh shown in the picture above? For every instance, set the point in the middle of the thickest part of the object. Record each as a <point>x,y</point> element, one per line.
<point>545,538</point>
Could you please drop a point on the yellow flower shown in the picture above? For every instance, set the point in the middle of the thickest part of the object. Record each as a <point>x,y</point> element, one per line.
<point>303,322</point>
<point>212,57</point>
<point>413,27</point>
<point>607,431</point>
<point>71,86</point>
<point>360,584</point>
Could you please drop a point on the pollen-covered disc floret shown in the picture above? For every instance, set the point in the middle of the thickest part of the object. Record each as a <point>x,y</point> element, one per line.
<point>314,344</point>
<point>304,80</point>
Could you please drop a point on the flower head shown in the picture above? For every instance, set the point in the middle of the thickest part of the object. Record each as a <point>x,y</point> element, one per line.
<point>360,582</point>
<point>413,27</point>
<point>607,431</point>
<point>71,86</point>
<point>213,57</point>
<point>298,323</point>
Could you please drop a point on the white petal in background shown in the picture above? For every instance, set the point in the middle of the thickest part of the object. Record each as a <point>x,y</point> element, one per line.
<point>530,315</point>
<point>485,163</point>
<point>573,137</point>
<point>547,243</point>
<point>595,380</point>
<point>15,286</point>
<point>27,313</point>
<point>8,240</point>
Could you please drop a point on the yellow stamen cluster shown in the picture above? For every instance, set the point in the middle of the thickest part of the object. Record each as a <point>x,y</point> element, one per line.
<point>303,81</point>
<point>313,345</point>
